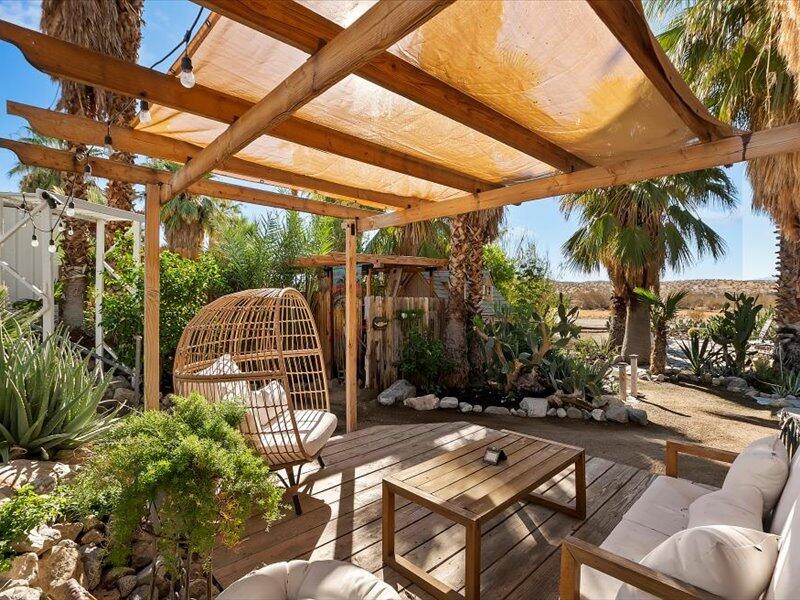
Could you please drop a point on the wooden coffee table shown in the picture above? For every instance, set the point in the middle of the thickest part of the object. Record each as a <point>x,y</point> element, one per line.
<point>460,486</point>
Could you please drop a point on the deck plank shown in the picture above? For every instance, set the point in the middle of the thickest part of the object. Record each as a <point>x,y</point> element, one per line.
<point>342,513</point>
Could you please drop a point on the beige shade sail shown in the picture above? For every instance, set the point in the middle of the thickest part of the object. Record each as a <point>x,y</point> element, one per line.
<point>551,66</point>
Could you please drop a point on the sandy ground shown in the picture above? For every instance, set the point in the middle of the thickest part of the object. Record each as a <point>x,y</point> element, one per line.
<point>684,412</point>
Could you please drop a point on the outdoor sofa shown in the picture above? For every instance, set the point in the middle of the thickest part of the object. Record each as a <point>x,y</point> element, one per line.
<point>686,540</point>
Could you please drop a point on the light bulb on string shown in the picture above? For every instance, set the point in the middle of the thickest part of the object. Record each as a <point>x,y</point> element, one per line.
<point>70,212</point>
<point>70,232</point>
<point>187,72</point>
<point>34,241</point>
<point>108,144</point>
<point>51,247</point>
<point>144,112</point>
<point>88,178</point>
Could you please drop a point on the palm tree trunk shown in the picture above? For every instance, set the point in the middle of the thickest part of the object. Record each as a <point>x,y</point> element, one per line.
<point>787,304</point>
<point>455,333</point>
<point>619,312</point>
<point>658,358</point>
<point>474,295</point>
<point>637,331</point>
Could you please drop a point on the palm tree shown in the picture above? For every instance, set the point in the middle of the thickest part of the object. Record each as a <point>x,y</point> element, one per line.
<point>455,331</point>
<point>662,311</point>
<point>636,231</point>
<point>94,24</point>
<point>739,56</point>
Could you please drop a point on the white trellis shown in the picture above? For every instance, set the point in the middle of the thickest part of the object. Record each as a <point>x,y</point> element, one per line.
<point>38,275</point>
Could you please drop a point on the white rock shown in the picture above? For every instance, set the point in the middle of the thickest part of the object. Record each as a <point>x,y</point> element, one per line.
<point>428,402</point>
<point>496,410</point>
<point>21,593</point>
<point>465,407</point>
<point>598,414</point>
<point>551,412</point>
<point>400,390</point>
<point>68,531</point>
<point>476,408</point>
<point>448,402</point>
<point>660,378</point>
<point>561,413</point>
<point>24,569</point>
<point>632,399</point>
<point>617,413</point>
<point>574,412</point>
<point>41,474</point>
<point>38,540</point>
<point>534,407</point>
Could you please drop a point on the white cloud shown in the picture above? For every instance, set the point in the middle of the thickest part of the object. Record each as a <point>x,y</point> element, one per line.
<point>22,12</point>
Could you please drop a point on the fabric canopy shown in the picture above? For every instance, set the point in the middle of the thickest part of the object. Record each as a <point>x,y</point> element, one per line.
<point>551,66</point>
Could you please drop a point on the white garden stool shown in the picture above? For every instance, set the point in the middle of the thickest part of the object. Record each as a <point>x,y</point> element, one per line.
<point>307,580</point>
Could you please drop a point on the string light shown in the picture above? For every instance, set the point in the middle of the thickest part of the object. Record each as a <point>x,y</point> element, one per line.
<point>51,247</point>
<point>187,72</point>
<point>70,212</point>
<point>144,112</point>
<point>70,232</point>
<point>108,142</point>
<point>34,241</point>
<point>88,178</point>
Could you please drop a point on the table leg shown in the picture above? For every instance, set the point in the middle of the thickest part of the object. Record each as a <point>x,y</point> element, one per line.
<point>472,576</point>
<point>580,486</point>
<point>388,522</point>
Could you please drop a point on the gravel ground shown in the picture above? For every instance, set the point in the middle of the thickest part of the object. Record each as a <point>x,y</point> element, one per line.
<point>683,412</point>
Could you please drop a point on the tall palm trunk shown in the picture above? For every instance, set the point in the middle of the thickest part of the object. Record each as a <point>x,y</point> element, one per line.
<point>658,357</point>
<point>787,304</point>
<point>637,331</point>
<point>455,333</point>
<point>474,293</point>
<point>616,330</point>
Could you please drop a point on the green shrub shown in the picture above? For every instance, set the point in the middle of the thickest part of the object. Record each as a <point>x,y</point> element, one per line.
<point>574,375</point>
<point>192,467</point>
<point>733,328</point>
<point>185,288</point>
<point>24,511</point>
<point>422,360</point>
<point>49,397</point>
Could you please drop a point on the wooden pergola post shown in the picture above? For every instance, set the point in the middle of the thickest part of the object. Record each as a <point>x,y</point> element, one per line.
<point>152,249</point>
<point>351,326</point>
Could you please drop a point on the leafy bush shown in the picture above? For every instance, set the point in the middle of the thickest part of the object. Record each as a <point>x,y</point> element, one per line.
<point>733,328</point>
<point>574,375</point>
<point>24,511</point>
<point>422,360</point>
<point>185,288</point>
<point>192,468</point>
<point>589,349</point>
<point>49,397</point>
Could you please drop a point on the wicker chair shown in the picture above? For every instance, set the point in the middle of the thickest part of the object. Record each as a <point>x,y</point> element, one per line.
<point>260,347</point>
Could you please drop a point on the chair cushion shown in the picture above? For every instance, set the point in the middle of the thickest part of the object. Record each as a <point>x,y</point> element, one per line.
<point>315,428</point>
<point>304,580</point>
<point>789,497</point>
<point>764,464</point>
<point>664,506</point>
<point>225,390</point>
<point>785,581</point>
<point>741,506</point>
<point>266,404</point>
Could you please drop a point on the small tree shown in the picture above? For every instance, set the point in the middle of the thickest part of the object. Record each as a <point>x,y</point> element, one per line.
<point>662,311</point>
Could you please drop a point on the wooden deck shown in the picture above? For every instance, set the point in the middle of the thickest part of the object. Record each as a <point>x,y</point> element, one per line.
<point>342,517</point>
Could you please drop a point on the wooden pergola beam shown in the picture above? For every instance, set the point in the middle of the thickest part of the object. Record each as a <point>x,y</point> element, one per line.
<point>335,259</point>
<point>306,30</point>
<point>76,63</point>
<point>625,19</point>
<point>87,131</point>
<point>62,160</point>
<point>377,29</point>
<point>689,158</point>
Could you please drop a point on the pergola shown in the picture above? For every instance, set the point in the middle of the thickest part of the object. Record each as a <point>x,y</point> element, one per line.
<point>402,110</point>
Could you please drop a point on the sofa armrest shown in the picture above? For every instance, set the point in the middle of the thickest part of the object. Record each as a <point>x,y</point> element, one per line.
<point>675,448</point>
<point>575,552</point>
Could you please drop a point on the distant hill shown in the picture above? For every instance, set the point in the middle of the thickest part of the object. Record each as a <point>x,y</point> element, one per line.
<point>704,294</point>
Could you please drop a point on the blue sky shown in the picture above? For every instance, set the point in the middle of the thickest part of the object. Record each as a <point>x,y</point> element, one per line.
<point>750,238</point>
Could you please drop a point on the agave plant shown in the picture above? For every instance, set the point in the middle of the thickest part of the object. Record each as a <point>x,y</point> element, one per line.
<point>49,396</point>
<point>700,354</point>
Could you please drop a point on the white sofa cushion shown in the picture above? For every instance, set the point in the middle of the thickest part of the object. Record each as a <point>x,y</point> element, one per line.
<point>304,580</point>
<point>266,404</point>
<point>731,562</point>
<point>785,583</point>
<point>789,497</point>
<point>764,464</point>
<point>664,506</point>
<point>742,506</point>
<point>315,428</point>
<point>225,390</point>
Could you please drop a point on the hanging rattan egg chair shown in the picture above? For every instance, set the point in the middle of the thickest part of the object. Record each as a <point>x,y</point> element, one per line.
<point>261,348</point>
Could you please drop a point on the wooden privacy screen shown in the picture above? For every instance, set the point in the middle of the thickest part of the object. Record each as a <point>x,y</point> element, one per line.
<point>259,347</point>
<point>384,346</point>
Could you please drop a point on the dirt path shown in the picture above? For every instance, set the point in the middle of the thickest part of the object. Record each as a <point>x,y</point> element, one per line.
<point>683,412</point>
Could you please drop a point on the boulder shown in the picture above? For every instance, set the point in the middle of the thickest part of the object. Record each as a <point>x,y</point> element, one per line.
<point>735,384</point>
<point>465,407</point>
<point>93,536</point>
<point>561,413</point>
<point>127,397</point>
<point>43,475</point>
<point>68,531</point>
<point>140,593</point>
<point>706,378</point>
<point>92,557</point>
<point>660,378</point>
<point>497,410</point>
<point>58,568</point>
<point>605,399</point>
<point>534,407</point>
<point>448,402</point>
<point>551,412</point>
<point>20,592</point>
<point>587,416</point>
<point>399,391</point>
<point>637,415</point>
<point>24,570</point>
<point>142,553</point>
<point>38,540</point>
<point>428,402</point>
<point>113,575</point>
<point>574,412</point>
<point>617,413</point>
<point>126,585</point>
<point>476,408</point>
<point>717,381</point>
<point>112,594</point>
<point>598,414</point>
